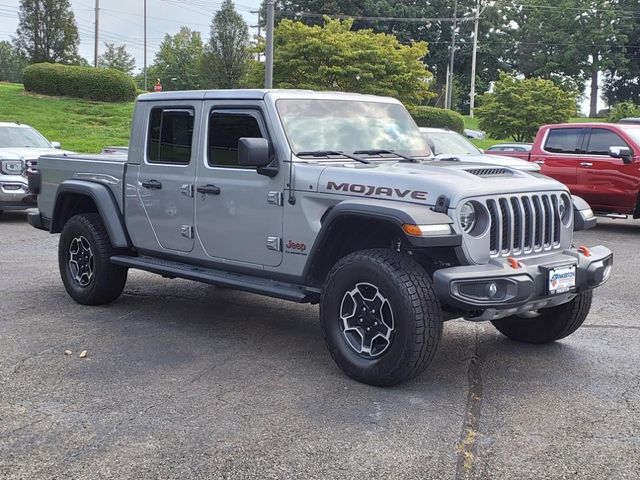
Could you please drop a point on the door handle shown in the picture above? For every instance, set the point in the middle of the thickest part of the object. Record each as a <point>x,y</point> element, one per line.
<point>209,189</point>
<point>539,162</point>
<point>152,184</point>
<point>586,164</point>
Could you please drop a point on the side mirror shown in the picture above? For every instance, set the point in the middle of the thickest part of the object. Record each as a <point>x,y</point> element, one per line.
<point>56,145</point>
<point>621,152</point>
<point>583,217</point>
<point>255,152</point>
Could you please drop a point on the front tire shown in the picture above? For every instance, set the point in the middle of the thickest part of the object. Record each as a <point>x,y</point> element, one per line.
<point>552,324</point>
<point>84,254</point>
<point>380,318</point>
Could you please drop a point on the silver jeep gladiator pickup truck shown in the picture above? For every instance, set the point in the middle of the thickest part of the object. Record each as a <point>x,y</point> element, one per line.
<point>326,198</point>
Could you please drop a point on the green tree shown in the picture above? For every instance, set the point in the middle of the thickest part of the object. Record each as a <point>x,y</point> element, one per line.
<point>117,57</point>
<point>437,34</point>
<point>226,57</point>
<point>517,108</point>
<point>47,31</point>
<point>623,110</point>
<point>333,57</point>
<point>178,63</point>
<point>622,80</point>
<point>571,40</point>
<point>12,63</point>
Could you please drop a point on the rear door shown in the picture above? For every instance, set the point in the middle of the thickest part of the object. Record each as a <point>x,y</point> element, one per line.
<point>607,183</point>
<point>561,151</point>
<point>165,178</point>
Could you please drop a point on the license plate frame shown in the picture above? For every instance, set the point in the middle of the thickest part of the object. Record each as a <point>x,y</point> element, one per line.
<point>561,279</point>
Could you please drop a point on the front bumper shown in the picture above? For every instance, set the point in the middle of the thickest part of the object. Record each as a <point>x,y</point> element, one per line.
<point>522,289</point>
<point>14,193</point>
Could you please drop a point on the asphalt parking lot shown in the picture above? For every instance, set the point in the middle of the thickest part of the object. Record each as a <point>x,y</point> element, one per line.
<point>183,380</point>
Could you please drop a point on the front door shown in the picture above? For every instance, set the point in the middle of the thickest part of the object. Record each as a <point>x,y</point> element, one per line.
<point>239,213</point>
<point>165,178</point>
<point>607,183</point>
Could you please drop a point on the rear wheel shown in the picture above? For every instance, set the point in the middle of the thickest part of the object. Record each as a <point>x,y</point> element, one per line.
<point>552,324</point>
<point>84,254</point>
<point>380,317</point>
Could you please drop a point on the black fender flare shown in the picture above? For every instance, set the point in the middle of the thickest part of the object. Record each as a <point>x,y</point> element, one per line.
<point>104,201</point>
<point>394,213</point>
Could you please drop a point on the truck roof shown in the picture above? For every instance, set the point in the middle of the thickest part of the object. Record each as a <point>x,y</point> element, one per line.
<point>260,94</point>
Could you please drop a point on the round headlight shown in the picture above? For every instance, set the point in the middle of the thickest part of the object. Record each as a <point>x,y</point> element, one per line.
<point>565,210</point>
<point>468,217</point>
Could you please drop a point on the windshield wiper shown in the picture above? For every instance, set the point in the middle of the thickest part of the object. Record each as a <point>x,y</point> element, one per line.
<point>327,153</point>
<point>387,152</point>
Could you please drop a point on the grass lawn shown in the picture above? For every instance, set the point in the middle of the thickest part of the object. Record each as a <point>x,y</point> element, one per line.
<point>79,125</point>
<point>487,142</point>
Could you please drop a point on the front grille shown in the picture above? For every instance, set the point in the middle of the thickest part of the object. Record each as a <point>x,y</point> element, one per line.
<point>523,224</point>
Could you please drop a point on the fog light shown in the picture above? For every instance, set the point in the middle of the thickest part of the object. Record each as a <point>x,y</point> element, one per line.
<point>607,272</point>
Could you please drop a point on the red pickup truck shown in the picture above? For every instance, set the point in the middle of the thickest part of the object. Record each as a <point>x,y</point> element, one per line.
<point>599,162</point>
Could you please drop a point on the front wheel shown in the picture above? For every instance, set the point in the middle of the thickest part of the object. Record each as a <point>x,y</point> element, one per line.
<point>380,317</point>
<point>84,254</point>
<point>550,325</point>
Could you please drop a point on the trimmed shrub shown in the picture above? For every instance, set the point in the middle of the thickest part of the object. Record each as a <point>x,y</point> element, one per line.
<point>437,118</point>
<point>102,84</point>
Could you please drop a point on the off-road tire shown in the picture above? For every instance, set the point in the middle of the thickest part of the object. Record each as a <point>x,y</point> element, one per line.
<point>416,312</point>
<point>107,280</point>
<point>553,323</point>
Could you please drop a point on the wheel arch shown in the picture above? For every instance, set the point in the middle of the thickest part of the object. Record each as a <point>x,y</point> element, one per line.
<point>355,225</point>
<point>74,197</point>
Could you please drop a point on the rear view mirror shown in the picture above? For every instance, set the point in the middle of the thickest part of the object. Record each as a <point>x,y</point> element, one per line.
<point>256,152</point>
<point>621,152</point>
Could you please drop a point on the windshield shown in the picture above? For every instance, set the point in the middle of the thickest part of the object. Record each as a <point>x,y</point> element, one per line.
<point>20,137</point>
<point>349,126</point>
<point>451,143</point>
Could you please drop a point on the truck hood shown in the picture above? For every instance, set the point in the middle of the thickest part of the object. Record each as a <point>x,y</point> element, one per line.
<point>29,153</point>
<point>503,161</point>
<point>424,182</point>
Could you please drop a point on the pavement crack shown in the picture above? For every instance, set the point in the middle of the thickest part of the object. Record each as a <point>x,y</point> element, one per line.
<point>621,327</point>
<point>470,426</point>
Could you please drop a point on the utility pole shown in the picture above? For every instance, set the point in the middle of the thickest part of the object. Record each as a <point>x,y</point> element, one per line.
<point>268,67</point>
<point>472,93</point>
<point>145,44</point>
<point>259,25</point>
<point>95,39</point>
<point>449,90</point>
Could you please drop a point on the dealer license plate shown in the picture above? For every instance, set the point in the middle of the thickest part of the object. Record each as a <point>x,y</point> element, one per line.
<point>562,279</point>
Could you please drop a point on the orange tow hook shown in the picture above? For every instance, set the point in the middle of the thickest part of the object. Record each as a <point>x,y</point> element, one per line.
<point>513,262</point>
<point>584,250</point>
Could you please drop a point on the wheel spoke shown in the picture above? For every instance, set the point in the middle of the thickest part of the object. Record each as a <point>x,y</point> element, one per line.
<point>81,261</point>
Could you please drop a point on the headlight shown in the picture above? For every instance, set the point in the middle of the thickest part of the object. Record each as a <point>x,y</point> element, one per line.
<point>565,210</point>
<point>12,167</point>
<point>468,217</point>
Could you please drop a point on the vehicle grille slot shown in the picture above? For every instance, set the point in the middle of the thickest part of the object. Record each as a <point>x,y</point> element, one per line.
<point>537,215</point>
<point>524,224</point>
<point>518,225</point>
<point>493,230</point>
<point>505,217</point>
<point>556,219</point>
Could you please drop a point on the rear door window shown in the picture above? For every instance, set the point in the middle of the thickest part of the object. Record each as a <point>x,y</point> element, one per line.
<point>565,140</point>
<point>601,139</point>
<point>170,136</point>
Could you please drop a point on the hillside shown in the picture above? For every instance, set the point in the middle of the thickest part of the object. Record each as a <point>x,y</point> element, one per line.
<point>79,125</point>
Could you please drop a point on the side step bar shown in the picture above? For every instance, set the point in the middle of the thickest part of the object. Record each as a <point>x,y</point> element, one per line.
<point>238,281</point>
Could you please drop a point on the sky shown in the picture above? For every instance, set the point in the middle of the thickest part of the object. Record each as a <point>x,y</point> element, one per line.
<point>121,22</point>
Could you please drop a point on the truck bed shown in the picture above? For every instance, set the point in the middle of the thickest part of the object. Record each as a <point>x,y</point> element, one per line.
<point>107,169</point>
